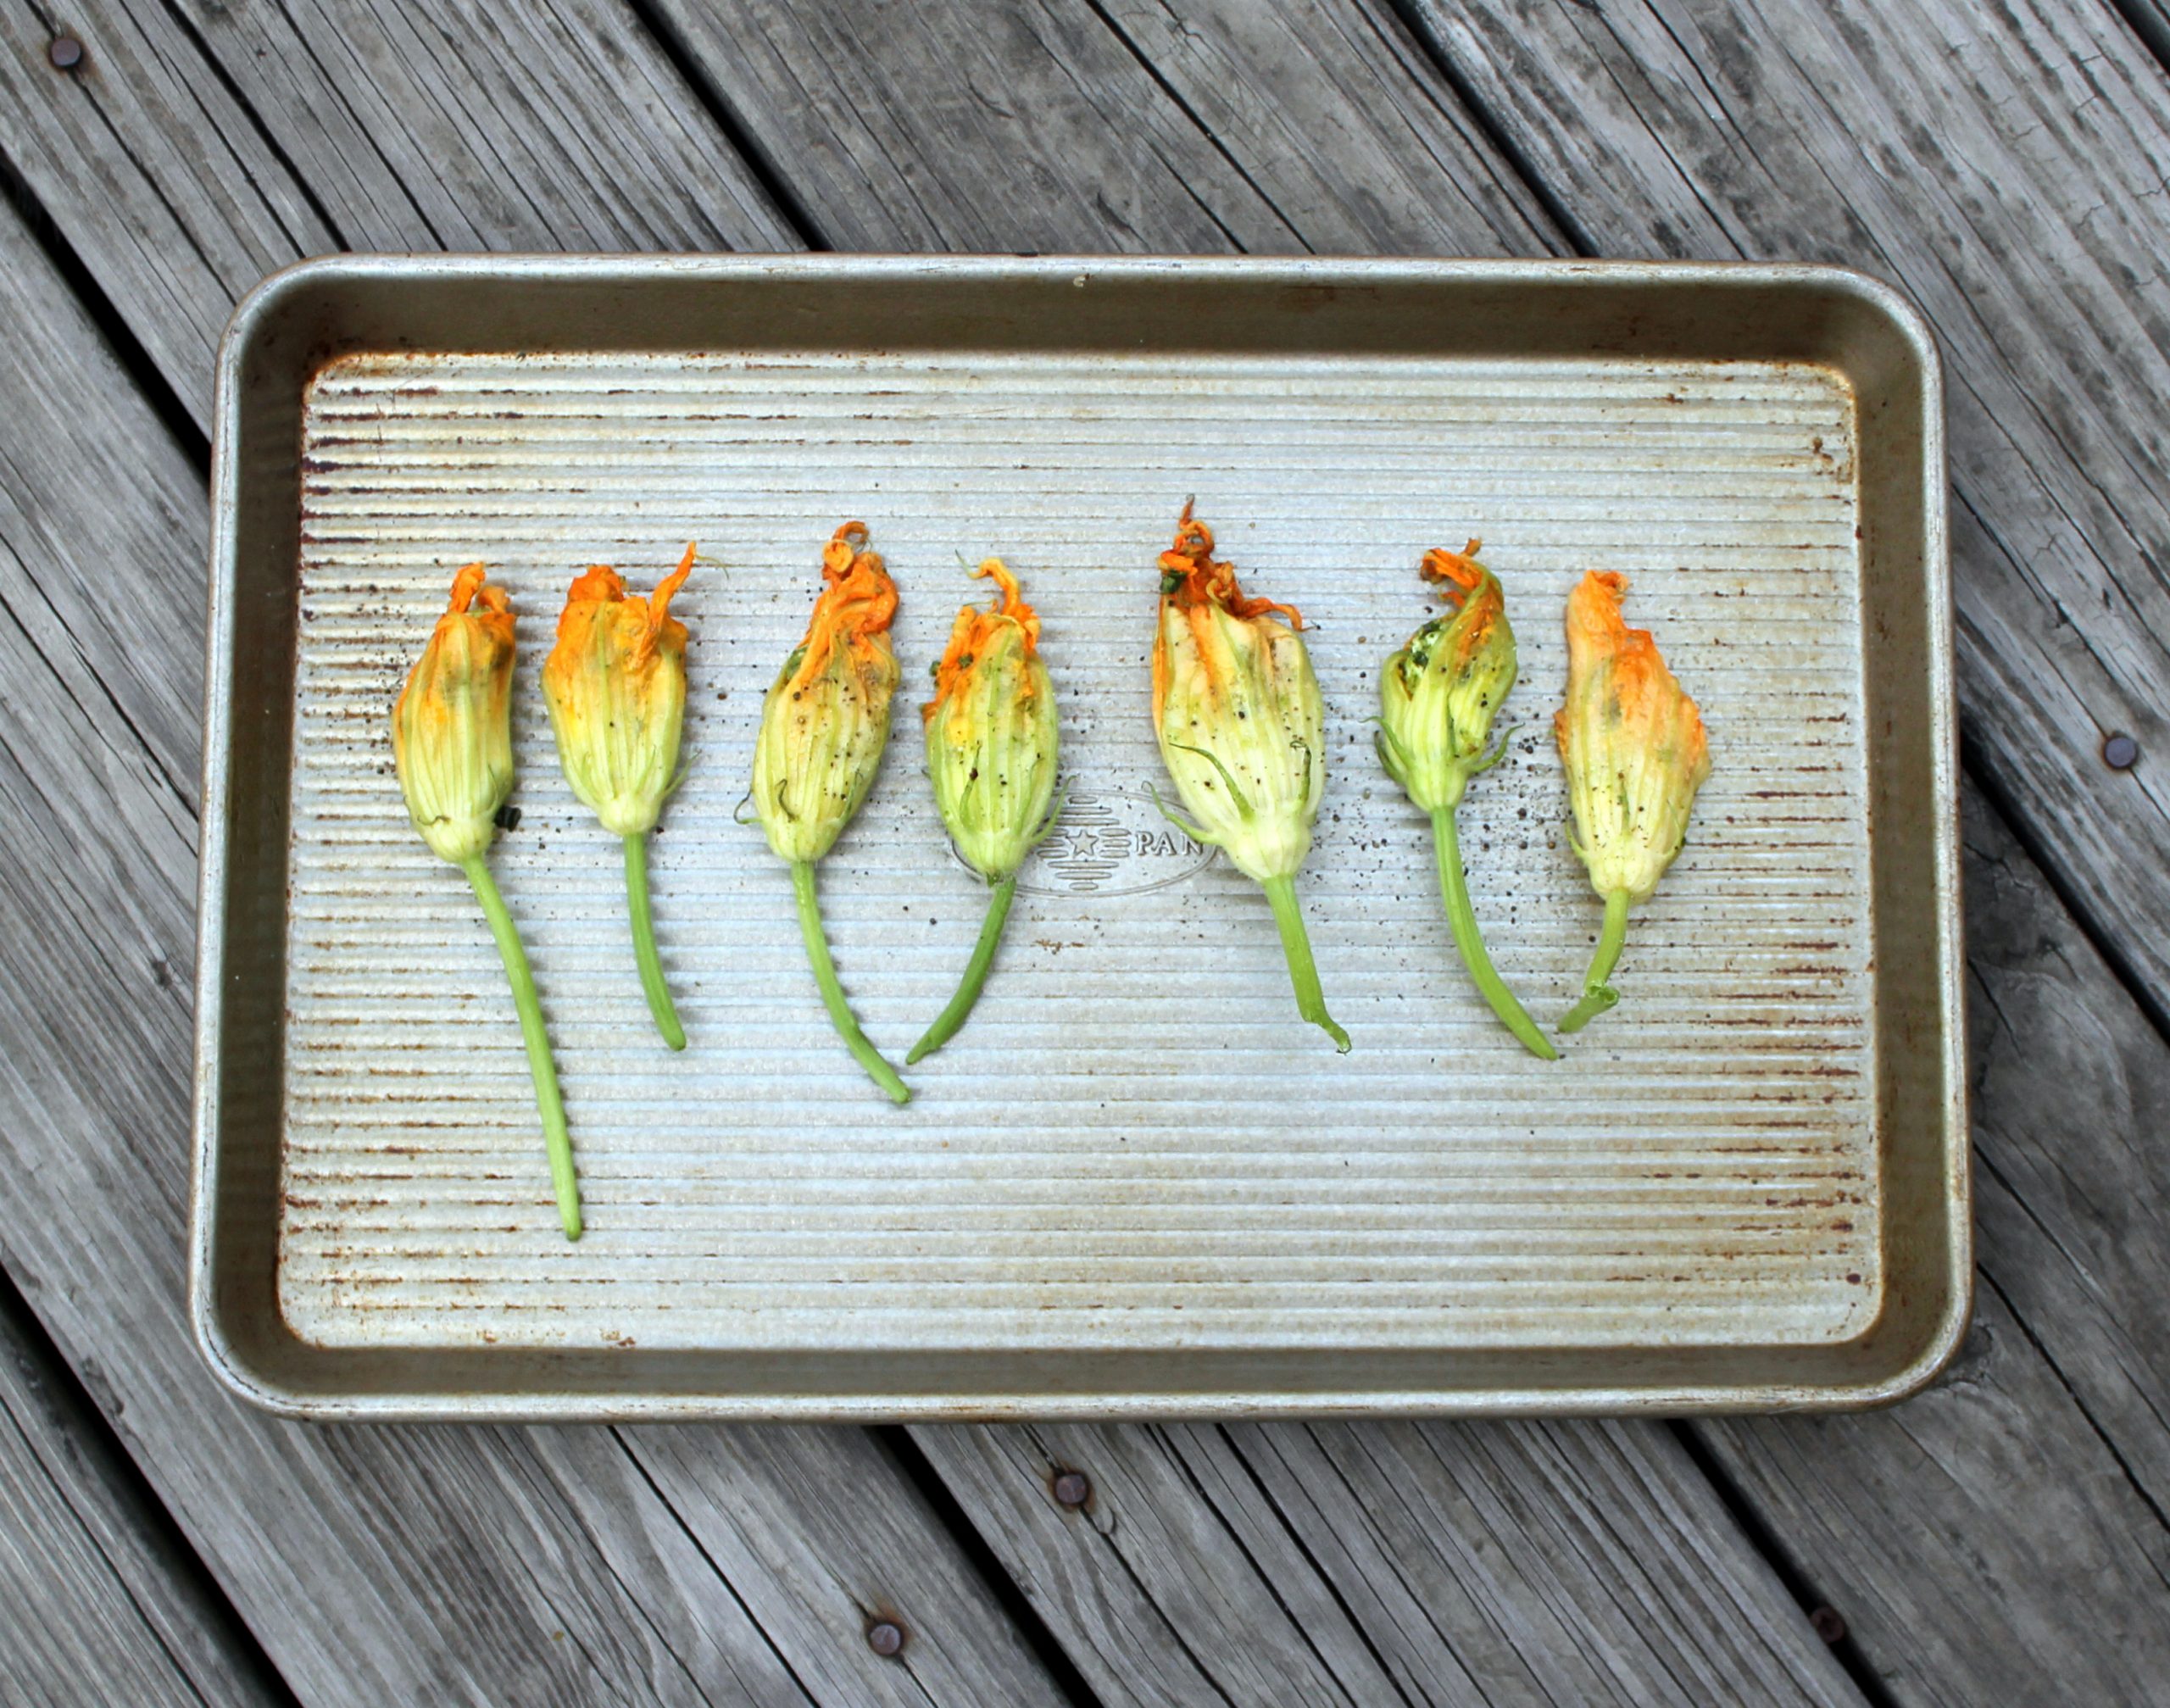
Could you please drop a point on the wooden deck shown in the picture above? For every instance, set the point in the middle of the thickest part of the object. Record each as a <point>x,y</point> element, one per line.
<point>2002,1538</point>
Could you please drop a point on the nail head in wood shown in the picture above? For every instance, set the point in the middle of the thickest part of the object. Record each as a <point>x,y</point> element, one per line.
<point>65,52</point>
<point>885,1637</point>
<point>1072,1488</point>
<point>1828,1623</point>
<point>2120,752</point>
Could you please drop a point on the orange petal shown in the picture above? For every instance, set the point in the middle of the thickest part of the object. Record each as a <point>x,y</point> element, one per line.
<point>975,631</point>
<point>659,603</point>
<point>857,604</point>
<point>1460,570</point>
<point>468,583</point>
<point>1204,579</point>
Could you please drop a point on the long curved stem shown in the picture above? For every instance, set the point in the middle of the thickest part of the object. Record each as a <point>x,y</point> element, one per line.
<point>976,971</point>
<point>557,1139</point>
<point>1303,972</point>
<point>1462,919</point>
<point>658,993</point>
<point>1597,995</point>
<point>833,994</point>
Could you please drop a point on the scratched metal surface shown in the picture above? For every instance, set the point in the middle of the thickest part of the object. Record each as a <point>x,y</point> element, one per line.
<point>1135,1141</point>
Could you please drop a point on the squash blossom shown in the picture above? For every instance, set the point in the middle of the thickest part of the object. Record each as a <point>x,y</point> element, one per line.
<point>615,685</point>
<point>823,727</point>
<point>991,755</point>
<point>452,743</point>
<point>1242,731</point>
<point>1635,753</point>
<point>1437,697</point>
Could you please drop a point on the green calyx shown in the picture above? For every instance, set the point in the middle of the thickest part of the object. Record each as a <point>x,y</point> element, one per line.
<point>820,743</point>
<point>992,754</point>
<point>1241,727</point>
<point>1440,694</point>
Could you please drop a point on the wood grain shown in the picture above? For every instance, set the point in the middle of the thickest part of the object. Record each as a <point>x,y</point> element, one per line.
<point>1504,1535</point>
<point>2023,220</point>
<point>1011,127</point>
<point>97,1604</point>
<point>2071,1083</point>
<point>1343,123</point>
<point>465,127</point>
<point>379,1565</point>
<point>1414,1563</point>
<point>1057,124</point>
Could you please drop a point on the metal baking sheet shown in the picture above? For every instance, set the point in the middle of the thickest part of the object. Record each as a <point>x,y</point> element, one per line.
<point>1137,1184</point>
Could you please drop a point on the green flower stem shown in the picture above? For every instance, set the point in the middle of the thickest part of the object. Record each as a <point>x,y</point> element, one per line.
<point>555,1135</point>
<point>824,975</point>
<point>976,971</point>
<point>1463,919</point>
<point>1597,995</point>
<point>658,993</point>
<point>1303,973</point>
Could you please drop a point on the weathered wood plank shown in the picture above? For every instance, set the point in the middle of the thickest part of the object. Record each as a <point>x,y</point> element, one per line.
<point>2150,21</point>
<point>2023,220</point>
<point>170,228</point>
<point>382,1565</point>
<point>466,126</point>
<point>989,128</point>
<point>2073,1084</point>
<point>1343,122</point>
<point>847,1542</point>
<point>2002,1537</point>
<point>1590,1610</point>
<point>555,124</point>
<point>1161,1595</point>
<point>96,1602</point>
<point>1515,1563</point>
<point>1037,127</point>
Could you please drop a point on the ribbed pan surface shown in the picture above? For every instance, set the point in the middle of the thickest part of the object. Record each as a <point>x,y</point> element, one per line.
<point>1136,1143</point>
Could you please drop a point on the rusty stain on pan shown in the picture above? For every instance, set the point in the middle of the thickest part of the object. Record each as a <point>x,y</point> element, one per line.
<point>1134,1185</point>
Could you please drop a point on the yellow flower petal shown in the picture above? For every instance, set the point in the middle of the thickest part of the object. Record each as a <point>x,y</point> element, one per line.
<point>1439,695</point>
<point>1237,709</point>
<point>826,719</point>
<point>991,734</point>
<point>616,687</point>
<point>1633,742</point>
<point>452,728</point>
